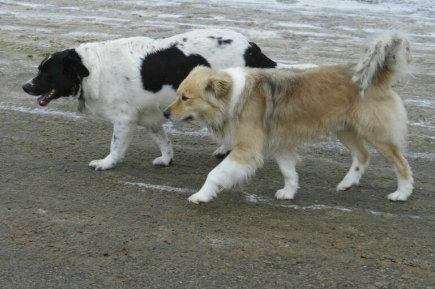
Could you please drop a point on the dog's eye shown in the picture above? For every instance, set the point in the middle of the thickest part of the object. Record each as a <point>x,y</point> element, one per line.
<point>184,98</point>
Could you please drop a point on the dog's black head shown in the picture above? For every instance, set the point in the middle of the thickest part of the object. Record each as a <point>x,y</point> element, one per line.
<point>60,74</point>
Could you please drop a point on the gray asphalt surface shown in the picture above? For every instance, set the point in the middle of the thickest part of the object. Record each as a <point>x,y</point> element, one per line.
<point>63,225</point>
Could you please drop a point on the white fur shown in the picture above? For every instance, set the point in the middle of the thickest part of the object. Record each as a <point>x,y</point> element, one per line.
<point>296,66</point>
<point>391,50</point>
<point>158,135</point>
<point>122,136</point>
<point>30,81</point>
<point>107,95</point>
<point>45,60</point>
<point>287,164</point>
<point>225,176</point>
<point>404,189</point>
<point>127,104</point>
<point>238,76</point>
<point>353,176</point>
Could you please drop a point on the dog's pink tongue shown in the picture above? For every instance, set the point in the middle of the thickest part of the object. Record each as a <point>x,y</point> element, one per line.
<point>41,100</point>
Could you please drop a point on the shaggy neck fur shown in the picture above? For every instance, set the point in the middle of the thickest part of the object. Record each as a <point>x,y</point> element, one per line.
<point>224,124</point>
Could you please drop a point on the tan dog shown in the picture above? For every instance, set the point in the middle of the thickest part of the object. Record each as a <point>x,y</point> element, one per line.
<point>269,112</point>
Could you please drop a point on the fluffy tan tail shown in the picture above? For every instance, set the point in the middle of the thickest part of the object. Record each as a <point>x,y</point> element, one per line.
<point>386,59</point>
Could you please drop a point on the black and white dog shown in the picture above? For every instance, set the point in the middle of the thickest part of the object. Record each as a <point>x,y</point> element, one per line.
<point>131,81</point>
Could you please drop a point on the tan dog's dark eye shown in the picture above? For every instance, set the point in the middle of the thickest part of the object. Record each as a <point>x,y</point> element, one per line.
<point>184,98</point>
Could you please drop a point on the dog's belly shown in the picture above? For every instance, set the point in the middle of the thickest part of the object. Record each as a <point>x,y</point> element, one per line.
<point>141,107</point>
<point>304,131</point>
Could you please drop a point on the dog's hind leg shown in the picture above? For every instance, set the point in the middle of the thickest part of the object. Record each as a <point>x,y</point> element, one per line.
<point>158,135</point>
<point>360,158</point>
<point>287,164</point>
<point>392,153</point>
<point>384,124</point>
<point>121,139</point>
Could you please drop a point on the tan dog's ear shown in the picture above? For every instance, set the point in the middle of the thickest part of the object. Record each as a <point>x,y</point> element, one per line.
<point>220,84</point>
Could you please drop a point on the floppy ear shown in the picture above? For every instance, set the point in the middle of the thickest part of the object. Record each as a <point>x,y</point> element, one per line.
<point>74,61</point>
<point>220,84</point>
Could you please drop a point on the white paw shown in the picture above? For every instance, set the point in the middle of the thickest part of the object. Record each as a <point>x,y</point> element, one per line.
<point>346,184</point>
<point>200,198</point>
<point>221,152</point>
<point>284,194</point>
<point>161,161</point>
<point>102,165</point>
<point>399,196</point>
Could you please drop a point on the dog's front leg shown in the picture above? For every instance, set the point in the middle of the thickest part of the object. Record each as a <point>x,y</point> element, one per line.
<point>226,175</point>
<point>121,139</point>
<point>222,151</point>
<point>158,134</point>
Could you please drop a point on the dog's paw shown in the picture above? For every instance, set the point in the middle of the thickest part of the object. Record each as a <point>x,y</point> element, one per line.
<point>284,194</point>
<point>102,165</point>
<point>344,186</point>
<point>200,198</point>
<point>221,152</point>
<point>352,178</point>
<point>398,196</point>
<point>164,162</point>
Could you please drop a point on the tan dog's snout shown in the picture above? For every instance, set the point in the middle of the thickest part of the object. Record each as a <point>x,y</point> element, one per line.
<point>173,111</point>
<point>167,113</point>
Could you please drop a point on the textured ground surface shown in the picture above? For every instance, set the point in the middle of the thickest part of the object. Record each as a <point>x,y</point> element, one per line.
<point>63,225</point>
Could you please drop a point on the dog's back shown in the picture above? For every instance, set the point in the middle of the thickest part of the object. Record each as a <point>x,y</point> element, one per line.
<point>162,63</point>
<point>304,104</point>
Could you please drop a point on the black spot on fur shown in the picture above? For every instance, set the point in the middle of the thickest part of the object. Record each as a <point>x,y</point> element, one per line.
<point>168,67</point>
<point>184,39</point>
<point>221,41</point>
<point>255,58</point>
<point>227,41</point>
<point>127,78</point>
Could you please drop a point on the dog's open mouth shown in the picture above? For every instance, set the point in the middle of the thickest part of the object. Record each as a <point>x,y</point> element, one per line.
<point>46,98</point>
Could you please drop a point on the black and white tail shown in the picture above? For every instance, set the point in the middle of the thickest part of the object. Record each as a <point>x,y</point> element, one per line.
<point>386,59</point>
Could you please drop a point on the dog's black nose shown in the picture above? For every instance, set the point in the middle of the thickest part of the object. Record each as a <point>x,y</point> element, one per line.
<point>27,87</point>
<point>166,113</point>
